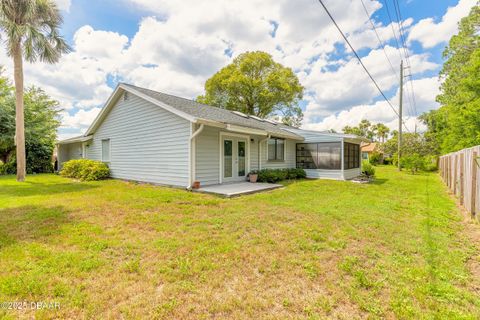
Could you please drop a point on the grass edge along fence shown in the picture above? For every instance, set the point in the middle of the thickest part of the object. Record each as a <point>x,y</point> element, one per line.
<point>460,172</point>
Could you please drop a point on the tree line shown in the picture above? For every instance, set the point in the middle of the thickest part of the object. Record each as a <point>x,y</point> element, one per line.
<point>456,124</point>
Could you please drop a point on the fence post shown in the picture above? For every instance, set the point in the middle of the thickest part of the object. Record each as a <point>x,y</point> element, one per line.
<point>462,173</point>
<point>474,183</point>
<point>449,172</point>
<point>455,173</point>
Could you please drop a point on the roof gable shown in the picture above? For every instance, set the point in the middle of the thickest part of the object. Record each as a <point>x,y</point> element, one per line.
<point>192,111</point>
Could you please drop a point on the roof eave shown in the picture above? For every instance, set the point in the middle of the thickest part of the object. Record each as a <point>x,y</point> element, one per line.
<point>75,140</point>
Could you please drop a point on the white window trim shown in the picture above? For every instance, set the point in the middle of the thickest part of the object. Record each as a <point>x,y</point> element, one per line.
<point>284,149</point>
<point>109,150</point>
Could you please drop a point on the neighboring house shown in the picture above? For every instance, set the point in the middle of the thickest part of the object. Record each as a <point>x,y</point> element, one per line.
<point>154,137</point>
<point>368,148</point>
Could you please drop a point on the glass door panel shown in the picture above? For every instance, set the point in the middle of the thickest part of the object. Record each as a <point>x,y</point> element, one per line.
<point>241,158</point>
<point>227,158</point>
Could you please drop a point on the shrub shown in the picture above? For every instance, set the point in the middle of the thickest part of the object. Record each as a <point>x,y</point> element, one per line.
<point>413,162</point>
<point>8,168</point>
<point>85,170</point>
<point>431,163</point>
<point>275,175</point>
<point>388,160</point>
<point>375,158</point>
<point>367,168</point>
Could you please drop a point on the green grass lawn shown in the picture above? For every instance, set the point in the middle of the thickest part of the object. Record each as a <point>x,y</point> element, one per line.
<point>397,248</point>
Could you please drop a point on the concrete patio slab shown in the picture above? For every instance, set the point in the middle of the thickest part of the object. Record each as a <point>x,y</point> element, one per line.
<point>229,190</point>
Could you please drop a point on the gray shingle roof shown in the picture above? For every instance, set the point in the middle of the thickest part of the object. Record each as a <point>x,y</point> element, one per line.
<point>207,112</point>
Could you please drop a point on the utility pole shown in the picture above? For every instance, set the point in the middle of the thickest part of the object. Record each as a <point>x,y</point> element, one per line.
<point>400,106</point>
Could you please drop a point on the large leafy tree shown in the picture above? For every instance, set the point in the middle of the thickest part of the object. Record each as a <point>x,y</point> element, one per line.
<point>256,85</point>
<point>42,119</point>
<point>456,124</point>
<point>31,33</point>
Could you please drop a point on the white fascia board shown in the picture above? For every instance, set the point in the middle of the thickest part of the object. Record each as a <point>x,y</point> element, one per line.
<point>211,123</point>
<point>75,140</point>
<point>240,129</point>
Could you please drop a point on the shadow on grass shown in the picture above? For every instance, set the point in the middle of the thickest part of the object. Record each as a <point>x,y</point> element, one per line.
<point>30,188</point>
<point>379,181</point>
<point>31,223</point>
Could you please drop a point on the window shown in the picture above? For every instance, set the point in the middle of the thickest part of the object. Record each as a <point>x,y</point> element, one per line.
<point>106,150</point>
<point>276,149</point>
<point>351,155</point>
<point>325,155</point>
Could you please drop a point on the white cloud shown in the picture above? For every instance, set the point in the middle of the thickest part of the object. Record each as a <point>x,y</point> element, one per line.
<point>81,119</point>
<point>426,91</point>
<point>430,33</point>
<point>182,43</point>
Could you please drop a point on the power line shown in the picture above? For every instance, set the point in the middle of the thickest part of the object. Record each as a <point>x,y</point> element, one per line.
<point>378,37</point>
<point>407,55</point>
<point>393,29</point>
<point>361,62</point>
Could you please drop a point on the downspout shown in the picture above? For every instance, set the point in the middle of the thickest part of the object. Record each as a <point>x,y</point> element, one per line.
<point>259,149</point>
<point>192,157</point>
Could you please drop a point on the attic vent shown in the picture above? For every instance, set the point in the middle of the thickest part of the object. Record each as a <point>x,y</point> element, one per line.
<point>125,96</point>
<point>241,114</point>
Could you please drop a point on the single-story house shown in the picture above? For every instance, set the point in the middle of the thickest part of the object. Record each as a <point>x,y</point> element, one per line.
<point>368,148</point>
<point>158,138</point>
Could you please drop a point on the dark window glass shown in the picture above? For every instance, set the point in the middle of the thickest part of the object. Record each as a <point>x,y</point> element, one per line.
<point>351,155</point>
<point>276,149</point>
<point>326,155</point>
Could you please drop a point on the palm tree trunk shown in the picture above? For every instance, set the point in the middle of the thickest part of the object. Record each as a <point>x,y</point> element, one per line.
<point>19,113</point>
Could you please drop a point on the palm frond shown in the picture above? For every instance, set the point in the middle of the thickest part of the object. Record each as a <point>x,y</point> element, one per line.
<point>34,24</point>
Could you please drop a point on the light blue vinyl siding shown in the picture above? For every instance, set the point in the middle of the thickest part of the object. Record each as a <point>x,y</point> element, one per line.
<point>68,152</point>
<point>147,143</point>
<point>290,156</point>
<point>207,156</point>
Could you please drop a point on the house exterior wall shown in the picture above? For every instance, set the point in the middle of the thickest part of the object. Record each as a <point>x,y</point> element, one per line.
<point>290,156</point>
<point>324,174</point>
<point>147,143</point>
<point>67,152</point>
<point>207,160</point>
<point>352,173</point>
<point>207,155</point>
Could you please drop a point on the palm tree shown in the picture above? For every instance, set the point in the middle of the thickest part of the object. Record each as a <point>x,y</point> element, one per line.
<point>381,131</point>
<point>31,33</point>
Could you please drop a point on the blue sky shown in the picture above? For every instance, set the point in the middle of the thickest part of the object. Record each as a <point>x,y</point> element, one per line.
<point>175,46</point>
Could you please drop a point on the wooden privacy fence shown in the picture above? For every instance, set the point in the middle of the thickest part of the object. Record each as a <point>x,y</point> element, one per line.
<point>461,173</point>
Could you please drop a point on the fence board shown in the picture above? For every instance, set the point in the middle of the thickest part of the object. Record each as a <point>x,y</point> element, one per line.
<point>460,173</point>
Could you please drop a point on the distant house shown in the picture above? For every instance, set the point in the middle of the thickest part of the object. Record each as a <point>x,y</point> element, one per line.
<point>368,148</point>
<point>154,137</point>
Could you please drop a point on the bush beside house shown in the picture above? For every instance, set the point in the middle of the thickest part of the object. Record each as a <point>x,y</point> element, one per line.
<point>367,168</point>
<point>275,175</point>
<point>85,170</point>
